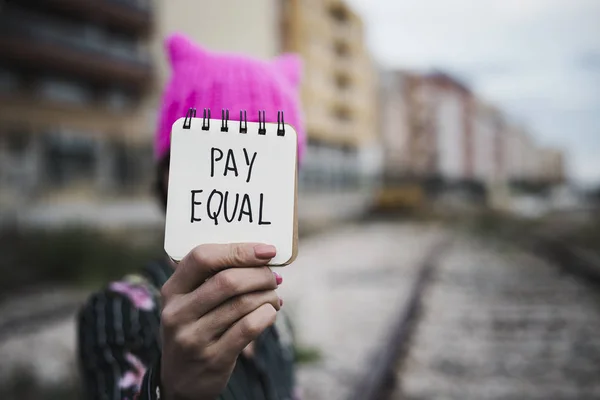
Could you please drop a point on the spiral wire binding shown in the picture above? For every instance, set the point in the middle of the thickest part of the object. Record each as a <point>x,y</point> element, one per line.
<point>187,122</point>
<point>280,124</point>
<point>262,124</point>
<point>224,120</point>
<point>205,120</point>
<point>244,128</point>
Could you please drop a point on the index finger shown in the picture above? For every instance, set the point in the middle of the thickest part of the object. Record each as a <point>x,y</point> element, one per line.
<point>208,259</point>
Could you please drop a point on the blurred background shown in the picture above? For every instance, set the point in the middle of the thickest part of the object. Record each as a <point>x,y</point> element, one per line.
<point>482,116</point>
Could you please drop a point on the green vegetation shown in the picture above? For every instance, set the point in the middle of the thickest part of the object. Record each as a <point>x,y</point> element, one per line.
<point>307,355</point>
<point>499,225</point>
<point>77,256</point>
<point>580,230</point>
<point>588,235</point>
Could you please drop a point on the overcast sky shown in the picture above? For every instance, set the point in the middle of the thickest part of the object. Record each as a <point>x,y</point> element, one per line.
<point>539,60</point>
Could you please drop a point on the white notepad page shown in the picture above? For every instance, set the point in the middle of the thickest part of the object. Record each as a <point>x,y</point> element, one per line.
<point>203,187</point>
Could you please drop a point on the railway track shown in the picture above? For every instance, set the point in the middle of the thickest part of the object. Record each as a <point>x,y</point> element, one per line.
<point>494,323</point>
<point>481,322</point>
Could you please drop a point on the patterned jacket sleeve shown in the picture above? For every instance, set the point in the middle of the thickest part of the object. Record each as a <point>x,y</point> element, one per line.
<point>116,347</point>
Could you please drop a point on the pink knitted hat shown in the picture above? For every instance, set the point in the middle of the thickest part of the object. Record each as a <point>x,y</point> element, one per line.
<point>205,79</point>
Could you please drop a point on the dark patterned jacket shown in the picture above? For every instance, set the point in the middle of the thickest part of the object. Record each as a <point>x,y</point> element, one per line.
<point>119,347</point>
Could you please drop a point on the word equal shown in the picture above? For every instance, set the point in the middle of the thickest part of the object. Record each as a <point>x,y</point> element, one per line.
<point>224,205</point>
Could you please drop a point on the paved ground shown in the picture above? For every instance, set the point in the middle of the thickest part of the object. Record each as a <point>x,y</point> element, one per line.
<point>499,324</point>
<point>342,292</point>
<point>37,334</point>
<point>47,354</point>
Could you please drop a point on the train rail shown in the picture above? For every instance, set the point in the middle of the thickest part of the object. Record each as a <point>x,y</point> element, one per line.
<point>380,380</point>
<point>486,322</point>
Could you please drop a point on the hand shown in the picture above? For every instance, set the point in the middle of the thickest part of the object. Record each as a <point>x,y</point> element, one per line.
<point>219,299</point>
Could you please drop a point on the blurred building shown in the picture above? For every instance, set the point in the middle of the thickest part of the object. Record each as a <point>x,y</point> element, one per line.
<point>407,129</point>
<point>519,154</point>
<point>407,139</point>
<point>485,138</point>
<point>80,84</point>
<point>451,114</point>
<point>395,113</point>
<point>439,136</point>
<point>428,132</point>
<point>531,158</point>
<point>552,168</point>
<point>512,152</point>
<point>339,92</point>
<point>74,76</point>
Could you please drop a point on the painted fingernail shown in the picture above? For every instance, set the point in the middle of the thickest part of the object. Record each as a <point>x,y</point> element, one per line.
<point>264,251</point>
<point>280,302</point>
<point>278,278</point>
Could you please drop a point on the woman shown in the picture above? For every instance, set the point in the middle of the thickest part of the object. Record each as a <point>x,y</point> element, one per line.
<point>208,327</point>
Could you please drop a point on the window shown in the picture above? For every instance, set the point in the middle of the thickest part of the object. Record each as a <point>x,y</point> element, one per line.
<point>123,47</point>
<point>117,99</point>
<point>339,12</point>
<point>17,142</point>
<point>133,166</point>
<point>141,4</point>
<point>342,113</point>
<point>285,28</point>
<point>342,81</point>
<point>341,48</point>
<point>19,161</point>
<point>93,38</point>
<point>65,91</point>
<point>51,29</point>
<point>47,27</point>
<point>9,81</point>
<point>69,158</point>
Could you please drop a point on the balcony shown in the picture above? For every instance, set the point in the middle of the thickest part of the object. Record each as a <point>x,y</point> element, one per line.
<point>35,44</point>
<point>130,16</point>
<point>86,117</point>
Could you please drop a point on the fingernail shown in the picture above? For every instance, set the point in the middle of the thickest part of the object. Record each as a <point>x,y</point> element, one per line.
<point>280,302</point>
<point>264,251</point>
<point>278,278</point>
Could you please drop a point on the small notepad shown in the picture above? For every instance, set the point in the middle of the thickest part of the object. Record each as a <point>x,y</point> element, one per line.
<point>230,182</point>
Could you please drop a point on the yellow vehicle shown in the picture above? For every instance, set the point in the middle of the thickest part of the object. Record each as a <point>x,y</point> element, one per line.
<point>398,195</point>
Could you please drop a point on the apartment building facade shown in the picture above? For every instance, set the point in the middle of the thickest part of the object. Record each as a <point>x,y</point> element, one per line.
<point>552,165</point>
<point>434,126</point>
<point>73,77</point>
<point>515,153</point>
<point>485,138</point>
<point>339,92</point>
<point>395,113</point>
<point>450,122</point>
<point>80,84</point>
<point>407,116</point>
